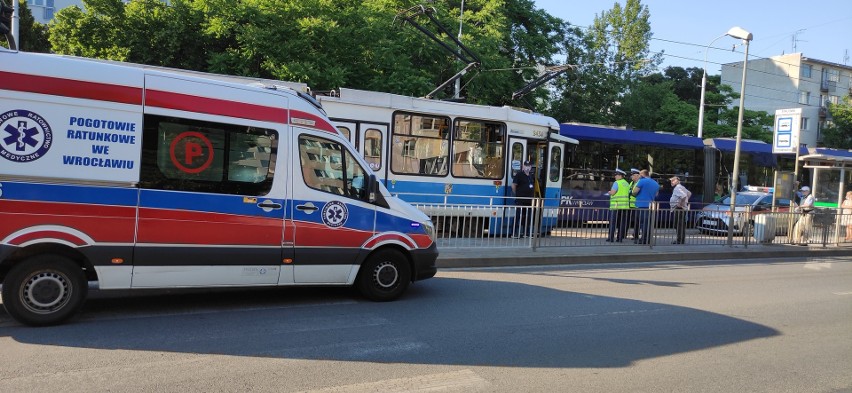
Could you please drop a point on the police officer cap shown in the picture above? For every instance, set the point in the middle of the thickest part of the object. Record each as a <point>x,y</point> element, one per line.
<point>634,171</point>
<point>620,172</point>
<point>805,188</point>
<point>527,163</point>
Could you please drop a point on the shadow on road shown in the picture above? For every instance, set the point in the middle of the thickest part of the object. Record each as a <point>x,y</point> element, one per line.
<point>440,321</point>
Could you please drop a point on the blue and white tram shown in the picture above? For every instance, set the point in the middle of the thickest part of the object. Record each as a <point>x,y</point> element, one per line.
<point>452,158</point>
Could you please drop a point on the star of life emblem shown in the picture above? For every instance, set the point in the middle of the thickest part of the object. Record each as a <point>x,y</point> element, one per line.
<point>24,136</point>
<point>334,214</point>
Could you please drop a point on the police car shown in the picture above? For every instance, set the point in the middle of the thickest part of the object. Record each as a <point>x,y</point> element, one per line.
<point>714,217</point>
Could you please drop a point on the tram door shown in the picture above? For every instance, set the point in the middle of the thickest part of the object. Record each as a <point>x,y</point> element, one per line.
<point>371,141</point>
<point>517,156</point>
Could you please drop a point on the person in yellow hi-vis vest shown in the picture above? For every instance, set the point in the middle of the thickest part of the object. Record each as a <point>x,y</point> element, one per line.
<point>619,205</point>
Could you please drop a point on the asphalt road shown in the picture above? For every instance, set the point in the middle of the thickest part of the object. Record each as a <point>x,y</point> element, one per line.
<point>756,326</point>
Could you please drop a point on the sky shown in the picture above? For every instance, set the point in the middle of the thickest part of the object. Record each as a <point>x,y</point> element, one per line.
<point>684,29</point>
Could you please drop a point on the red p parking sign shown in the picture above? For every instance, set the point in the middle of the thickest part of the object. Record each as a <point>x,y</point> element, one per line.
<point>191,152</point>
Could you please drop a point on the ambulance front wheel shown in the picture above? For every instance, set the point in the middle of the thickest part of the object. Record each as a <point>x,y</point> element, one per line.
<point>384,276</point>
<point>44,290</point>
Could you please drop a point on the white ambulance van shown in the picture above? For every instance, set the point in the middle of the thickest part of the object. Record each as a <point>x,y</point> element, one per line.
<point>118,176</point>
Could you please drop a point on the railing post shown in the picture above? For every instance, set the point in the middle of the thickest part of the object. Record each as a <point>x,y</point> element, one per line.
<point>536,223</point>
<point>746,229</point>
<point>652,235</point>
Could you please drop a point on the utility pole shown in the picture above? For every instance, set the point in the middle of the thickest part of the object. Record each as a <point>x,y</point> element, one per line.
<point>457,94</point>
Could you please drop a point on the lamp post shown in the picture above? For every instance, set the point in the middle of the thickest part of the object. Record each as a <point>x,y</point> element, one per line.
<point>738,32</point>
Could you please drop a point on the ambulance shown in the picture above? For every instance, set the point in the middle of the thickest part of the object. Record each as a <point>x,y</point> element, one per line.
<point>117,176</point>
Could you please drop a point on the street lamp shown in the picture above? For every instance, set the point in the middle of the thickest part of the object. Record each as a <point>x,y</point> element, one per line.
<point>740,33</point>
<point>735,32</point>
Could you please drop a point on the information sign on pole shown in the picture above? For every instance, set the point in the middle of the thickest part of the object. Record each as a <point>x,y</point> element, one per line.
<point>788,123</point>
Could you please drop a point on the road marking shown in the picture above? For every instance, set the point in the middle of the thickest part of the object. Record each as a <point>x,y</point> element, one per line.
<point>842,293</point>
<point>359,350</point>
<point>818,265</point>
<point>610,313</point>
<point>456,381</point>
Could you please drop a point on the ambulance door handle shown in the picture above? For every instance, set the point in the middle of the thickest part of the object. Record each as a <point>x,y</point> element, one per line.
<point>309,207</point>
<point>269,205</point>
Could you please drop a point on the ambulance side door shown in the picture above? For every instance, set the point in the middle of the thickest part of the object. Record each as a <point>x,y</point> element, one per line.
<point>331,213</point>
<point>212,199</point>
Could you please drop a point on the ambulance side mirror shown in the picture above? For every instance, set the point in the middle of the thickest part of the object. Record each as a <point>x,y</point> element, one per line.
<point>372,188</point>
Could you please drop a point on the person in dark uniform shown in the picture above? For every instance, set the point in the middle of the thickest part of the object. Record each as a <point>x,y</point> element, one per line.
<point>523,187</point>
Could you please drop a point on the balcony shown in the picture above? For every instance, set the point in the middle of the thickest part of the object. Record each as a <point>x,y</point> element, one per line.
<point>823,112</point>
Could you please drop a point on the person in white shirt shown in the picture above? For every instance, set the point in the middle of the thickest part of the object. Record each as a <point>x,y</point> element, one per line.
<point>679,203</point>
<point>802,229</point>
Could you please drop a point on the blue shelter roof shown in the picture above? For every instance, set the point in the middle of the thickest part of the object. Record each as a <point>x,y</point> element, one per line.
<point>587,132</point>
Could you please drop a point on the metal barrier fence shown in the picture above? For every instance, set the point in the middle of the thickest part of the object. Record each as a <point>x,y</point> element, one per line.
<point>494,226</point>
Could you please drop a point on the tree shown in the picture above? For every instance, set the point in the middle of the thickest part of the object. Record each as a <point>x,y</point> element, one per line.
<point>325,43</point>
<point>96,33</point>
<point>838,134</point>
<point>615,53</point>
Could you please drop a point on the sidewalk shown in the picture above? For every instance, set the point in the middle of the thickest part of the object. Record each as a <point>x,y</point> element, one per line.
<point>524,256</point>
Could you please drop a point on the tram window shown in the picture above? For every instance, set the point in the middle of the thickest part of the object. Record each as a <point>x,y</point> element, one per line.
<point>373,148</point>
<point>420,144</point>
<point>555,160</point>
<point>478,149</point>
<point>345,131</point>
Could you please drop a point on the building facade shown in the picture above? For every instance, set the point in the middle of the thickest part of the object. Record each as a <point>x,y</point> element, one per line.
<point>44,10</point>
<point>793,81</point>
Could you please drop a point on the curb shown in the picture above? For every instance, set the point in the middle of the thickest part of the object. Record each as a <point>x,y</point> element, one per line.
<point>529,260</point>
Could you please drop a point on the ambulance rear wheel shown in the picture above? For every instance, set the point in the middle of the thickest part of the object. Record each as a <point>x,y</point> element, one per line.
<point>384,276</point>
<point>44,290</point>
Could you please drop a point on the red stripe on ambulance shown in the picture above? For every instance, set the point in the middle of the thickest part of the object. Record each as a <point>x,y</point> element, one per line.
<point>70,88</point>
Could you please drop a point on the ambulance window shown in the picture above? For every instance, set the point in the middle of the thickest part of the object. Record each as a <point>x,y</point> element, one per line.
<point>327,166</point>
<point>201,156</point>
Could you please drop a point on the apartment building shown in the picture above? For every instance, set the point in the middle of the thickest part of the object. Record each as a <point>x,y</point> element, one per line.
<point>44,10</point>
<point>792,81</point>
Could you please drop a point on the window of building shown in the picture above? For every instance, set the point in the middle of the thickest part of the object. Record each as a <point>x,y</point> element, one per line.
<point>478,149</point>
<point>833,76</point>
<point>373,148</point>
<point>328,167</point>
<point>804,123</point>
<point>804,97</point>
<point>806,70</point>
<point>420,144</point>
<point>37,3</point>
<point>834,100</point>
<point>201,156</point>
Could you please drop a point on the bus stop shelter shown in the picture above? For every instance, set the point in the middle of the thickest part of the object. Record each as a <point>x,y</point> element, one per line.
<point>824,159</point>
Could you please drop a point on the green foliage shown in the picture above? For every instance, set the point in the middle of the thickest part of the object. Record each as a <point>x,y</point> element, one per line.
<point>838,134</point>
<point>612,53</point>
<point>99,32</point>
<point>325,43</point>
